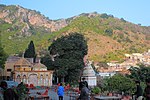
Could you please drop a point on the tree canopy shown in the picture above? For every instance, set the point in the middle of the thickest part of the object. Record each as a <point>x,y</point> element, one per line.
<point>140,73</point>
<point>67,53</point>
<point>3,56</point>
<point>30,51</point>
<point>120,83</point>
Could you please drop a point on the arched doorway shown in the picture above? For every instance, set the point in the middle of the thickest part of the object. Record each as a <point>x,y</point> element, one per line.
<point>33,79</point>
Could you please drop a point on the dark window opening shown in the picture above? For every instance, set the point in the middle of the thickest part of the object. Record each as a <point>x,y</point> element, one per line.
<point>8,70</point>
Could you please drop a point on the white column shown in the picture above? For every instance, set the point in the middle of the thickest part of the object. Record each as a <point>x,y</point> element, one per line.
<point>27,80</point>
<point>51,76</point>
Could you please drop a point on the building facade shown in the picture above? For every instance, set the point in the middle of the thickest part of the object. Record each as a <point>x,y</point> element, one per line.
<point>23,70</point>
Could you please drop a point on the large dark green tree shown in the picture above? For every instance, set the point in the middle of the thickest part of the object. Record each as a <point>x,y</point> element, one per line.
<point>3,56</point>
<point>30,51</point>
<point>47,61</point>
<point>67,53</point>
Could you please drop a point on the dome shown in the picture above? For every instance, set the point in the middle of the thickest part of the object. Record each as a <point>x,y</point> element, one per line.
<point>39,67</point>
<point>88,70</point>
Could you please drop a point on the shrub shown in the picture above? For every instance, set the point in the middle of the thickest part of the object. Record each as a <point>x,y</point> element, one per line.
<point>109,32</point>
<point>96,90</point>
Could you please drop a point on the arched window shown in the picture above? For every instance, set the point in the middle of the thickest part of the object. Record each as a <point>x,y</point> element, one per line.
<point>18,79</point>
<point>46,80</point>
<point>24,80</point>
<point>41,80</point>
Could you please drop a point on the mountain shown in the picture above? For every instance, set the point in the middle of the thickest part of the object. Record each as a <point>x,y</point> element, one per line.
<point>20,25</point>
<point>109,38</point>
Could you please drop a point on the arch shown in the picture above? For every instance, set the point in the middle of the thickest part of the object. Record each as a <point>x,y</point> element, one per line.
<point>41,80</point>
<point>33,79</point>
<point>46,80</point>
<point>24,79</point>
<point>18,79</point>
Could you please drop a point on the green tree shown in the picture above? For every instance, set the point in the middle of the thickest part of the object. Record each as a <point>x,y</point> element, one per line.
<point>122,19</point>
<point>30,51</point>
<point>120,83</point>
<point>67,53</point>
<point>47,61</point>
<point>104,15</point>
<point>3,56</point>
<point>140,73</point>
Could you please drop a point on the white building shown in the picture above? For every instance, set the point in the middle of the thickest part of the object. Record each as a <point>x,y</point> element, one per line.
<point>90,75</point>
<point>106,74</point>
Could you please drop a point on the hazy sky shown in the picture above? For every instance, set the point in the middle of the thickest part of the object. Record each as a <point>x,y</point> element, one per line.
<point>136,11</point>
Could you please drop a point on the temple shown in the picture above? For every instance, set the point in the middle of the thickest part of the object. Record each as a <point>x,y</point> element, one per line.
<point>89,74</point>
<point>24,70</point>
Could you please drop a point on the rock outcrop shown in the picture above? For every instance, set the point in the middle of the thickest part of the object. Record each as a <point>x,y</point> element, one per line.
<point>26,18</point>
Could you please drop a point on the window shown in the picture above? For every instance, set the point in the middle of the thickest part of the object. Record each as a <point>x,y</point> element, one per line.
<point>8,70</point>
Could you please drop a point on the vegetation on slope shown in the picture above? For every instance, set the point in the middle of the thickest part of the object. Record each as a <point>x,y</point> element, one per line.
<point>108,38</point>
<point>14,44</point>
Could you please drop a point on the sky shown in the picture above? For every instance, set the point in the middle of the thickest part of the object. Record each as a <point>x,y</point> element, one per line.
<point>135,11</point>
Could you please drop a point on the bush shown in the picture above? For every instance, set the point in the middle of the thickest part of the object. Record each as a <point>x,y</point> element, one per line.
<point>96,90</point>
<point>104,16</point>
<point>109,32</point>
